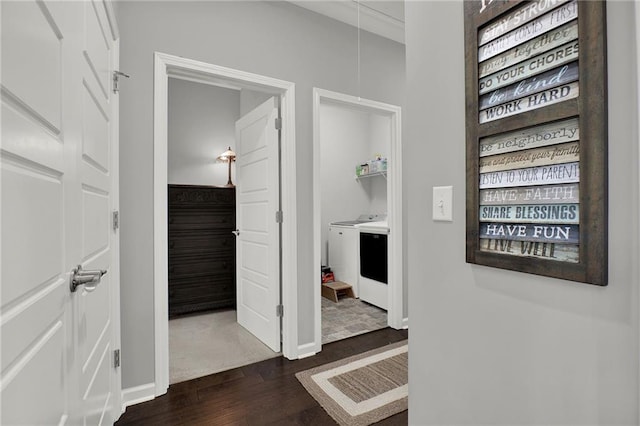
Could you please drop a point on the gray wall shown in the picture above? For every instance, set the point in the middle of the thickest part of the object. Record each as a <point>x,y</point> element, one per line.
<point>380,143</point>
<point>202,122</point>
<point>250,99</point>
<point>490,346</point>
<point>270,38</point>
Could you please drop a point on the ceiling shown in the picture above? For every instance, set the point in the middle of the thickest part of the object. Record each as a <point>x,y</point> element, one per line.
<point>384,17</point>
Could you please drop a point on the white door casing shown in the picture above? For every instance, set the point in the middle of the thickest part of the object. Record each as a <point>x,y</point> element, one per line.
<point>166,65</point>
<point>394,206</point>
<point>57,178</point>
<point>258,240</point>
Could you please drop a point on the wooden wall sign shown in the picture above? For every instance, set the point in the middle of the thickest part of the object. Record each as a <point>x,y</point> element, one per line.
<point>536,125</point>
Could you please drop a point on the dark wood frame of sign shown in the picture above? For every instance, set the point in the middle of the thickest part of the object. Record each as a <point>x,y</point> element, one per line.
<point>511,244</point>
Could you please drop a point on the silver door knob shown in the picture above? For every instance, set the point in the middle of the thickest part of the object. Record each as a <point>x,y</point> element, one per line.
<point>236,232</point>
<point>89,279</point>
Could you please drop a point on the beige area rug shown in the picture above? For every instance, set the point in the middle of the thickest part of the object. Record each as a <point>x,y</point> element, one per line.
<point>362,389</point>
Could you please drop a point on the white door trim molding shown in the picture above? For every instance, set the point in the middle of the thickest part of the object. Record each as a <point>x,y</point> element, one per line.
<point>637,29</point>
<point>394,186</point>
<point>166,66</point>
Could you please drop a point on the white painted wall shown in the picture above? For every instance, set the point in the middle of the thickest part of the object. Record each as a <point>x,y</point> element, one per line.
<point>250,99</point>
<point>275,39</point>
<point>380,137</point>
<point>349,137</point>
<point>201,126</point>
<point>497,347</point>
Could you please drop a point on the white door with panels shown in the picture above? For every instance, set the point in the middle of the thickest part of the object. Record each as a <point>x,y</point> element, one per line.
<point>258,233</point>
<point>59,176</point>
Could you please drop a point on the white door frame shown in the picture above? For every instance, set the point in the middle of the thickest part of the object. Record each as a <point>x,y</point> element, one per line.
<point>394,202</point>
<point>637,28</point>
<point>118,407</point>
<point>187,69</point>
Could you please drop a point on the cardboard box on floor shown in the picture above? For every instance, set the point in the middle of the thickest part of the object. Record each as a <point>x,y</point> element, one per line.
<point>337,288</point>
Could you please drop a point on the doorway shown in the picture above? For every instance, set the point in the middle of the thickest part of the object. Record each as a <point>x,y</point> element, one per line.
<point>167,66</point>
<point>384,120</point>
<point>206,332</point>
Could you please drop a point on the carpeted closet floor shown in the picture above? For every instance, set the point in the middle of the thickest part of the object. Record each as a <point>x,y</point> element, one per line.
<point>208,343</point>
<point>200,345</point>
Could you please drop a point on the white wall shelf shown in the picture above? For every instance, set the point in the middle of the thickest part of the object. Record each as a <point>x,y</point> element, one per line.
<point>368,175</point>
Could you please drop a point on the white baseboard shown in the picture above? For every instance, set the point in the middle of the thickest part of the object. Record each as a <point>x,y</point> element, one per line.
<point>138,394</point>
<point>405,323</point>
<point>307,350</point>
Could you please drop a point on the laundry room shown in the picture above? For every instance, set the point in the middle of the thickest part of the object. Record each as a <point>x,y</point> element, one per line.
<point>354,145</point>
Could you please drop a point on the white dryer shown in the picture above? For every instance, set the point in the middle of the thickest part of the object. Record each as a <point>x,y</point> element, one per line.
<point>373,265</point>
<point>343,253</point>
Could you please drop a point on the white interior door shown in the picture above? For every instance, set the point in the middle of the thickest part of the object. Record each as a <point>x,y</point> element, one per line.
<point>95,337</point>
<point>258,242</point>
<point>57,178</point>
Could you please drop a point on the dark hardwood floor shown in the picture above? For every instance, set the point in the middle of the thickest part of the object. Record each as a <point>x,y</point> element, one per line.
<point>265,393</point>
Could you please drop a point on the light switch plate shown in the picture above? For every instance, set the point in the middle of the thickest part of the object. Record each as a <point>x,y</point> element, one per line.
<point>443,203</point>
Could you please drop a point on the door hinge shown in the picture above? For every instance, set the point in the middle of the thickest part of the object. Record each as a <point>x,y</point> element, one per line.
<point>278,123</point>
<point>116,80</point>
<point>279,216</point>
<point>115,220</point>
<point>279,311</point>
<point>116,358</point>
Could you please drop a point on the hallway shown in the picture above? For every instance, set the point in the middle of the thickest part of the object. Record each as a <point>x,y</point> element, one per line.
<point>265,393</point>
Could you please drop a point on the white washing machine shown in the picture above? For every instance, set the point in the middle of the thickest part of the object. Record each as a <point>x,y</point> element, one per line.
<point>343,254</point>
<point>373,265</point>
